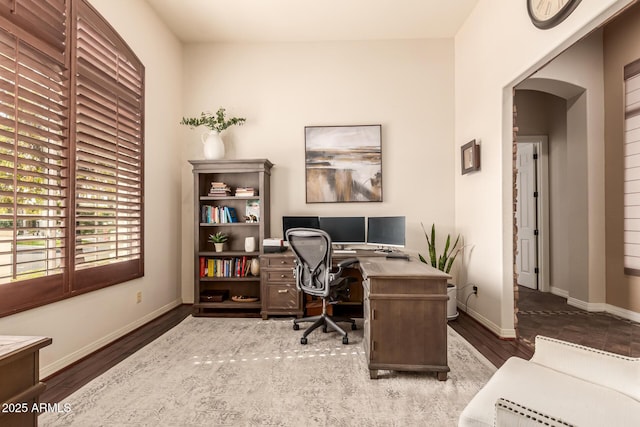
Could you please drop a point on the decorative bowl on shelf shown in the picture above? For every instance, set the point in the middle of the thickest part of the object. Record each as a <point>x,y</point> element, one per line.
<point>242,298</point>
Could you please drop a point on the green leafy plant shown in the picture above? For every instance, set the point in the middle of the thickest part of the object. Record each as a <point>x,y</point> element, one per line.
<point>445,261</point>
<point>217,121</point>
<point>219,237</point>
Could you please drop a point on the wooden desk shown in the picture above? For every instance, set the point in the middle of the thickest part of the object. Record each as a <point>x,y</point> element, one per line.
<point>20,383</point>
<point>404,305</point>
<point>279,294</point>
<point>405,316</point>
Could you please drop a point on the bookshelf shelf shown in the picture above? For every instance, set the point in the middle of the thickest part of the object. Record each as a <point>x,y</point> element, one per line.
<point>234,261</point>
<point>229,224</point>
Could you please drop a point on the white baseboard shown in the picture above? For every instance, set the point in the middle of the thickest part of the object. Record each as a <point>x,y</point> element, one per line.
<point>560,292</point>
<point>623,312</point>
<point>599,307</point>
<point>500,332</point>
<point>588,306</point>
<point>54,367</point>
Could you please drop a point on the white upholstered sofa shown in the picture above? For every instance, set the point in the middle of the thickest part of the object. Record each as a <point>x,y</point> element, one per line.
<point>563,384</point>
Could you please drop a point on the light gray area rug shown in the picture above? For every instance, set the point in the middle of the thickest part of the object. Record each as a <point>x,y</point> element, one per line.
<point>251,372</point>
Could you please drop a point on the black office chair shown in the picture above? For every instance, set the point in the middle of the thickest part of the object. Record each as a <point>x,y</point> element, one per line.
<point>313,275</point>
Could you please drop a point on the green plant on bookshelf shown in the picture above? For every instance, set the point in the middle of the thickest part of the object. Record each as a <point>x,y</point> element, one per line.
<point>218,240</point>
<point>444,261</point>
<point>217,122</point>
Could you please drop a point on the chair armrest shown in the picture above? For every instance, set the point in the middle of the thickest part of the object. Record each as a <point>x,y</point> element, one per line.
<point>347,262</point>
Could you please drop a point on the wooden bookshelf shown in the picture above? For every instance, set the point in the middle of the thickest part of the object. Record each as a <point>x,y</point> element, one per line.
<point>226,277</point>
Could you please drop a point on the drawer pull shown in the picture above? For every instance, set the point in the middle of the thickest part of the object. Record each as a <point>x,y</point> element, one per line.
<point>282,291</point>
<point>282,276</point>
<point>283,262</point>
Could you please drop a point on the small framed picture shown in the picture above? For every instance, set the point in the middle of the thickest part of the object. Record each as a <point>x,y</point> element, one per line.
<point>470,157</point>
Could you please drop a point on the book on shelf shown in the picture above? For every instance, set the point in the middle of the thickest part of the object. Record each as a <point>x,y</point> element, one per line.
<point>230,214</point>
<point>246,192</point>
<point>218,214</point>
<point>252,211</point>
<point>225,267</point>
<point>219,189</point>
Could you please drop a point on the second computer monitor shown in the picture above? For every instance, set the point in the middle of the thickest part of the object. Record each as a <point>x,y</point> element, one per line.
<point>298,221</point>
<point>344,229</point>
<point>386,231</point>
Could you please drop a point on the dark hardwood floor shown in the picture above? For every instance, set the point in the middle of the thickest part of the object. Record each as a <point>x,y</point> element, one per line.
<point>63,383</point>
<point>540,314</point>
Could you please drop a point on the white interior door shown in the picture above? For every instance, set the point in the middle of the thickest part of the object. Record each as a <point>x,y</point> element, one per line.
<point>526,216</point>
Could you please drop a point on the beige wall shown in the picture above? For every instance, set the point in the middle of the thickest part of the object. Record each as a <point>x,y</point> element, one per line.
<point>577,76</point>
<point>406,86</point>
<point>85,323</point>
<point>621,47</point>
<point>496,48</point>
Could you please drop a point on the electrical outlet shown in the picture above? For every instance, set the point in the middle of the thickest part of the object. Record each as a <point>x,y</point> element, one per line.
<point>475,289</point>
<point>139,297</point>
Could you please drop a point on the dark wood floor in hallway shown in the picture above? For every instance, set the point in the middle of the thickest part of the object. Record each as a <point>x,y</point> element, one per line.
<point>542,313</point>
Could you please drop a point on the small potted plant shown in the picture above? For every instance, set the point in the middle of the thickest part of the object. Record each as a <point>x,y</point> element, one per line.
<point>218,240</point>
<point>216,123</point>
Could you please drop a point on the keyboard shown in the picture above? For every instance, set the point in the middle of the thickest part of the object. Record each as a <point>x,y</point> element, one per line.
<point>344,251</point>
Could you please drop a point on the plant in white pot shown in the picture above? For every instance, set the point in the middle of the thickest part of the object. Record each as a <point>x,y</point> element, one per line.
<point>218,240</point>
<point>443,262</point>
<point>216,123</point>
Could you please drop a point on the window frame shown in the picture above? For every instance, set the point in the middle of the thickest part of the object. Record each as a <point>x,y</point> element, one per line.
<point>631,190</point>
<point>124,238</point>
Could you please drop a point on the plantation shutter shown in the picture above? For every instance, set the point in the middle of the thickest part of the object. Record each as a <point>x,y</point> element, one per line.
<point>632,169</point>
<point>34,86</point>
<point>71,154</point>
<point>109,155</point>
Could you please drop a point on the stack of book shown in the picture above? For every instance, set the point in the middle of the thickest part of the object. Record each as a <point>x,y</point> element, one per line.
<point>273,245</point>
<point>219,189</point>
<point>245,192</point>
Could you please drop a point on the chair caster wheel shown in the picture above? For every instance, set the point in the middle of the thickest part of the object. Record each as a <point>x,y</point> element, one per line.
<point>303,341</point>
<point>353,327</point>
<point>296,327</point>
<point>324,329</point>
<point>345,340</point>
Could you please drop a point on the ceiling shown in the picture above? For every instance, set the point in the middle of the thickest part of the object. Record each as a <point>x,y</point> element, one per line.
<point>311,20</point>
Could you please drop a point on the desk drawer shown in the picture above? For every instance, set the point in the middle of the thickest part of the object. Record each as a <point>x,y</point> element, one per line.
<point>280,276</point>
<point>278,261</point>
<point>283,297</point>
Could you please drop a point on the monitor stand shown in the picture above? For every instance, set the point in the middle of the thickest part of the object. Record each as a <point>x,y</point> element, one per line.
<point>383,250</point>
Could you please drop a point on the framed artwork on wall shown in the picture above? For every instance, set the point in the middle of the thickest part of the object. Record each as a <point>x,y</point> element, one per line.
<point>470,157</point>
<point>343,163</point>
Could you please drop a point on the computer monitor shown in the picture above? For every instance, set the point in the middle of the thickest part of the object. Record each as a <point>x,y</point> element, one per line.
<point>344,230</point>
<point>386,231</point>
<point>298,221</point>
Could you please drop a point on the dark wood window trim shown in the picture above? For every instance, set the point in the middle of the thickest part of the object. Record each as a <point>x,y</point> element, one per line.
<point>631,146</point>
<point>71,154</point>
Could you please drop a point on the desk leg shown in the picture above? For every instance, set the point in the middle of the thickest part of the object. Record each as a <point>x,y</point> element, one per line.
<point>373,374</point>
<point>442,376</point>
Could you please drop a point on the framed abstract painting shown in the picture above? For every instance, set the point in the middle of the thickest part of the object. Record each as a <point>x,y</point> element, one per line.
<point>343,163</point>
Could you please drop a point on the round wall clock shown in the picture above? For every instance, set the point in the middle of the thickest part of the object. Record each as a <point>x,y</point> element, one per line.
<point>549,13</point>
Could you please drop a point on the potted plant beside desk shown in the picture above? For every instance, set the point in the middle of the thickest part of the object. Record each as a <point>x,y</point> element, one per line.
<point>443,262</point>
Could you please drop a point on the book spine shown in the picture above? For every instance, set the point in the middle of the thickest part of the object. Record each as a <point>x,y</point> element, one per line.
<point>202,267</point>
